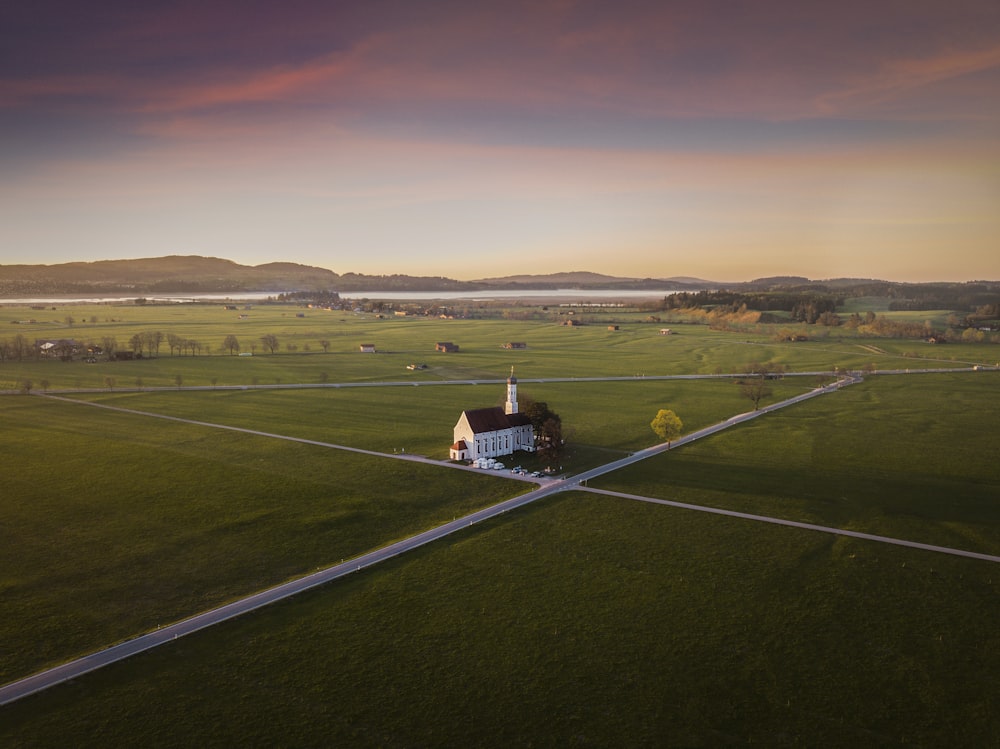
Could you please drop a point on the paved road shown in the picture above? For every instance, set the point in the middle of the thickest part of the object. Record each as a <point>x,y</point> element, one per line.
<point>805,526</point>
<point>43,680</point>
<point>522,380</point>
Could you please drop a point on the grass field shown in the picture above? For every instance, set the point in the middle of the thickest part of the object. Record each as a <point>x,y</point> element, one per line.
<point>906,456</point>
<point>119,522</point>
<point>553,350</point>
<point>114,523</point>
<point>585,620</point>
<point>613,416</point>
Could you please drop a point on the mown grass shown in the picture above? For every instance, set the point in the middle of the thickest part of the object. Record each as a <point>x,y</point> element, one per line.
<point>120,522</point>
<point>605,415</point>
<point>906,456</point>
<point>553,350</point>
<point>587,620</point>
<point>114,524</point>
<point>582,621</point>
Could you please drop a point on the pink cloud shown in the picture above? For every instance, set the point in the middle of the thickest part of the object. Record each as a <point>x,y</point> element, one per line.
<point>786,61</point>
<point>898,78</point>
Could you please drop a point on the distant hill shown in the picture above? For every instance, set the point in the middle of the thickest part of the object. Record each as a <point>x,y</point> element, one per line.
<point>571,277</point>
<point>174,273</point>
<point>196,274</point>
<point>587,280</point>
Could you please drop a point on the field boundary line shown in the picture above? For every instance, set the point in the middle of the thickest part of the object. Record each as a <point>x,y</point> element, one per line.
<point>257,433</point>
<point>42,680</point>
<point>797,524</point>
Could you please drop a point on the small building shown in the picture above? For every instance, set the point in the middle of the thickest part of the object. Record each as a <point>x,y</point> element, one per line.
<point>666,331</point>
<point>446,347</point>
<point>515,344</point>
<point>63,348</point>
<point>613,327</point>
<point>367,348</point>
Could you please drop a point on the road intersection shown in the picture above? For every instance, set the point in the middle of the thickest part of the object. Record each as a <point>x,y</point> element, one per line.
<point>546,487</point>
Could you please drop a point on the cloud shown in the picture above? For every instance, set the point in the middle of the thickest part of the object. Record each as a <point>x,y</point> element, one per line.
<point>451,61</point>
<point>898,78</point>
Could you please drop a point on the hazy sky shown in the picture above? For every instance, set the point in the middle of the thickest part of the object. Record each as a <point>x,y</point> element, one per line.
<point>727,140</point>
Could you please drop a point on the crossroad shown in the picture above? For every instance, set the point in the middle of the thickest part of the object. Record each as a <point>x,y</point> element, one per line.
<point>547,487</point>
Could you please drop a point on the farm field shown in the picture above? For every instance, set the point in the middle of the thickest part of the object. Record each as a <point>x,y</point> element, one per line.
<point>114,524</point>
<point>585,620</point>
<point>910,457</point>
<point>553,350</point>
<point>140,521</point>
<point>609,416</point>
<point>120,522</point>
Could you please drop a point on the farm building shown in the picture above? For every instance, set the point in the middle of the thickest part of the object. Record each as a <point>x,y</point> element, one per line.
<point>367,348</point>
<point>446,346</point>
<point>491,432</point>
<point>513,345</point>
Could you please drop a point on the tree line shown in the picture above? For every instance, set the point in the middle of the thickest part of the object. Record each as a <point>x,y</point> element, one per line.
<point>139,345</point>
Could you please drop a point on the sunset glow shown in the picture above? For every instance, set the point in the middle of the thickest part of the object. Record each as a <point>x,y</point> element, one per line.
<point>723,141</point>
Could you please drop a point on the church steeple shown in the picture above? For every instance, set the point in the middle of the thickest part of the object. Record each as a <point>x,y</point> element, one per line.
<point>510,407</point>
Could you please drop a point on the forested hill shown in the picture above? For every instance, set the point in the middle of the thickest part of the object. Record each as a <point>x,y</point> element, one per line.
<point>195,274</point>
<point>175,273</point>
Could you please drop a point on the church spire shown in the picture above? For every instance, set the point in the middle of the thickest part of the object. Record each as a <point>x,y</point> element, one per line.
<point>510,407</point>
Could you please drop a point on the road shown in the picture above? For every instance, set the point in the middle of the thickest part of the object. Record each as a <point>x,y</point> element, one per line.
<point>45,679</point>
<point>522,380</point>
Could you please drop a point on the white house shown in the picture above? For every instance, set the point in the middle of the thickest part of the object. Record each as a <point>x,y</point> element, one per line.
<point>491,432</point>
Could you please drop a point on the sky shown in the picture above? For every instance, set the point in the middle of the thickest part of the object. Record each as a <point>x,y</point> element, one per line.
<point>721,140</point>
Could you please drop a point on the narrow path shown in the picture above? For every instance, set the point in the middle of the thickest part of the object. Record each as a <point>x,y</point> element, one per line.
<point>271,435</point>
<point>437,383</point>
<point>796,524</point>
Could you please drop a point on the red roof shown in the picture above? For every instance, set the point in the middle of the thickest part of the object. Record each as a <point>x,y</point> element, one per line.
<point>493,419</point>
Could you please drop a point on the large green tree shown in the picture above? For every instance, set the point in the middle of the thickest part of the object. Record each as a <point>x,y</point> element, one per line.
<point>547,427</point>
<point>667,425</point>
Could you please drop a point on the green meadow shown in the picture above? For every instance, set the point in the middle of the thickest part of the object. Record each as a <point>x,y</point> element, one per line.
<point>911,457</point>
<point>115,524</point>
<point>553,350</point>
<point>609,416</point>
<point>584,620</point>
<point>590,620</point>
<point>118,522</point>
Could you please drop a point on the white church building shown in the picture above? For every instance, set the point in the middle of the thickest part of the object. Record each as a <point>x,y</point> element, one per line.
<point>492,432</point>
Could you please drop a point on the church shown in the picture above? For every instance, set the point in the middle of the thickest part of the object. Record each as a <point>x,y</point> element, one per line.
<point>492,432</point>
